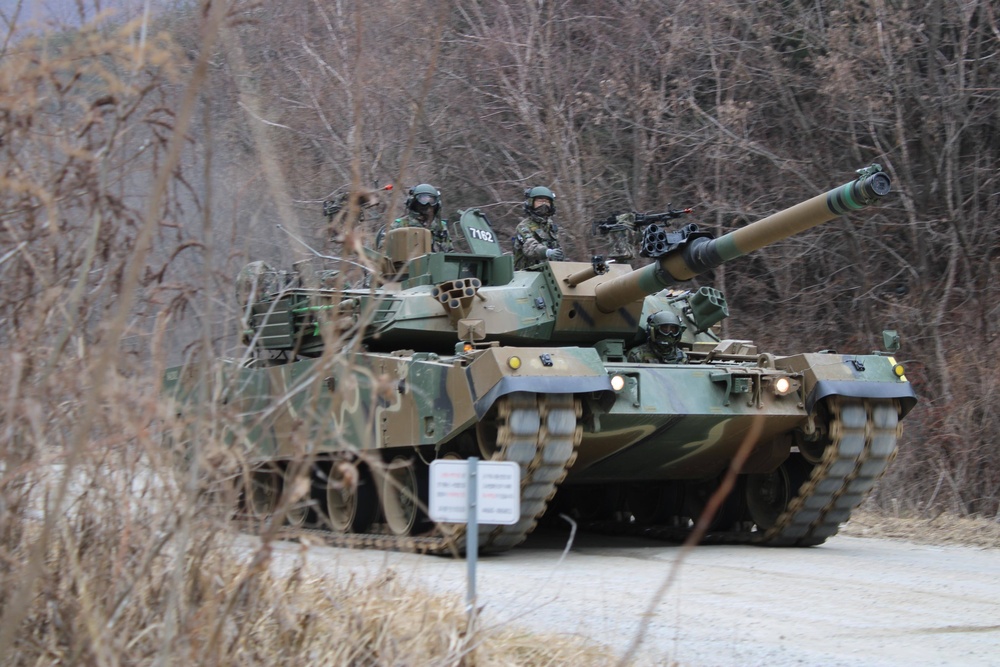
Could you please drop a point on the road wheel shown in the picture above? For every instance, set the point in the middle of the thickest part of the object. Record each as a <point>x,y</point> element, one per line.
<point>298,509</point>
<point>263,492</point>
<point>350,496</point>
<point>404,495</point>
<point>769,494</point>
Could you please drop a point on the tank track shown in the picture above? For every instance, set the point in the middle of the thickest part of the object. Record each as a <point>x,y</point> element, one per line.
<point>540,432</point>
<point>863,434</point>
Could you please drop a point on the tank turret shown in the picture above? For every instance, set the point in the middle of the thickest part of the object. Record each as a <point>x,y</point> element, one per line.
<point>414,304</point>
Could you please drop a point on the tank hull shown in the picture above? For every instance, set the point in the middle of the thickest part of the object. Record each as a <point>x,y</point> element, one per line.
<point>670,426</point>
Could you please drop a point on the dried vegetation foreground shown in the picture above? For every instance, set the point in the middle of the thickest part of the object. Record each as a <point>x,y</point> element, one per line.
<point>132,574</point>
<point>942,529</point>
<point>135,573</point>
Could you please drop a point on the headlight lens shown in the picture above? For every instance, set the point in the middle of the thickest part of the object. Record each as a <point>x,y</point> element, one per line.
<point>514,362</point>
<point>617,382</point>
<point>783,386</point>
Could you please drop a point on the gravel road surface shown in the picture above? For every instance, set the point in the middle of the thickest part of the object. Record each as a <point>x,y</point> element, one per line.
<point>853,601</point>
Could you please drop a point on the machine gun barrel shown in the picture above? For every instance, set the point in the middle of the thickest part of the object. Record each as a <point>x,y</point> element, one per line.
<point>703,254</point>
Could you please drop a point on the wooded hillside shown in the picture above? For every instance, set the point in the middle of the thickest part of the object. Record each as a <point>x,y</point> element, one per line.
<point>737,109</point>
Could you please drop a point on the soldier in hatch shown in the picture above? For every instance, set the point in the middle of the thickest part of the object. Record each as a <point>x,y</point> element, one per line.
<point>663,334</point>
<point>537,236</point>
<point>423,209</point>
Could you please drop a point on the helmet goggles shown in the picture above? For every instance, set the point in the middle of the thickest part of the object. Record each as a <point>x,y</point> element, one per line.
<point>669,330</point>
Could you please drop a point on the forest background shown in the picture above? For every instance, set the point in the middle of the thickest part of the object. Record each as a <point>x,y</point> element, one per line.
<point>737,109</point>
<point>148,155</point>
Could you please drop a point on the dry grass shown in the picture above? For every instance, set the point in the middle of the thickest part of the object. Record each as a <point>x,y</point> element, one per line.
<point>942,529</point>
<point>131,574</point>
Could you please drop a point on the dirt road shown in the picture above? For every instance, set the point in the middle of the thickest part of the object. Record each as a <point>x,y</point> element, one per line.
<point>852,601</point>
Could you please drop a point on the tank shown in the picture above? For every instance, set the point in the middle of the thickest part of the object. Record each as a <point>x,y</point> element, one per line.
<point>348,392</point>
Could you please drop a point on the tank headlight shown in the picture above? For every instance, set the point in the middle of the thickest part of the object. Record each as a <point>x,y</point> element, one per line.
<point>783,386</point>
<point>617,382</point>
<point>514,362</point>
<point>898,370</point>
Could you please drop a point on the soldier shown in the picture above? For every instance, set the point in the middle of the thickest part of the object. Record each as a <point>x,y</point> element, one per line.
<point>537,236</point>
<point>663,333</point>
<point>625,239</point>
<point>365,200</point>
<point>369,208</point>
<point>423,209</point>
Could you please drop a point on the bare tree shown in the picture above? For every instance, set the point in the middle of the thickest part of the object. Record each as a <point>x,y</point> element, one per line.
<point>738,109</point>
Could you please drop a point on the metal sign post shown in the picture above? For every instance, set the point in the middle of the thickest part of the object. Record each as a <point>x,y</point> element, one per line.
<point>474,492</point>
<point>471,539</point>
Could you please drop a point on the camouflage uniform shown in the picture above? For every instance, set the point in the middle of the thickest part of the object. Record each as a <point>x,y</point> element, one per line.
<point>532,237</point>
<point>647,353</point>
<point>411,219</point>
<point>624,241</point>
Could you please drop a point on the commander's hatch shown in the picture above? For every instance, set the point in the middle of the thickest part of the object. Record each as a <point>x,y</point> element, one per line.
<point>413,264</point>
<point>475,229</point>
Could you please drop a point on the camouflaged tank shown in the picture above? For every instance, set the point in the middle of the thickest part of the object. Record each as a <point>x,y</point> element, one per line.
<point>350,392</point>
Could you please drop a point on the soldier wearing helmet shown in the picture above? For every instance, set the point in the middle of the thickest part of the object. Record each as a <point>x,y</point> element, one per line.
<point>537,237</point>
<point>423,209</point>
<point>663,334</point>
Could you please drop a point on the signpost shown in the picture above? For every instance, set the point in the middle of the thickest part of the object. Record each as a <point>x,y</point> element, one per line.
<point>474,492</point>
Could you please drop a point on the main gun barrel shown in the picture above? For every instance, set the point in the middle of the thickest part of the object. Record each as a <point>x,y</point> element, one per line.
<point>704,254</point>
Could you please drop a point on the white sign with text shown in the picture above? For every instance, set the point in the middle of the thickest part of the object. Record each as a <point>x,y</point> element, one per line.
<point>498,492</point>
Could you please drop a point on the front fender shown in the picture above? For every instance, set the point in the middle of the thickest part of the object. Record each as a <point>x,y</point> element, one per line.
<point>563,370</point>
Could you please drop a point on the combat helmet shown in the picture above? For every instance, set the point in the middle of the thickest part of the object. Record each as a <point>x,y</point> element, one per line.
<point>664,329</point>
<point>422,196</point>
<point>530,194</point>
